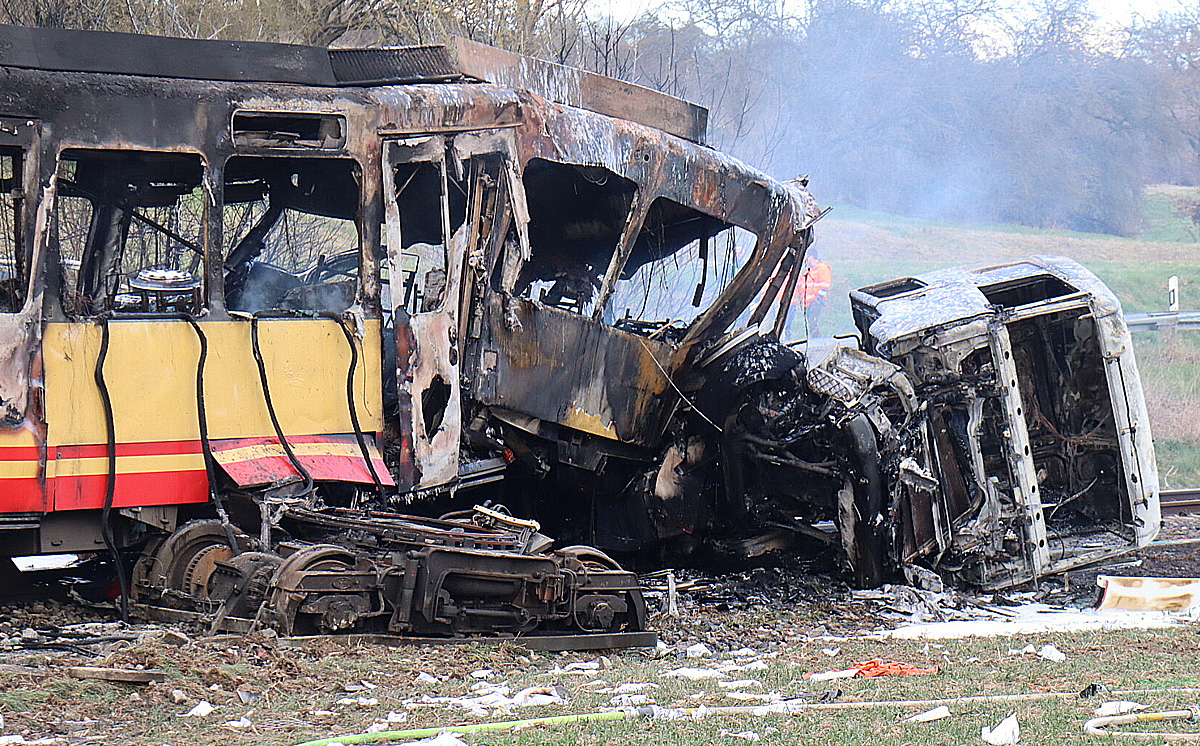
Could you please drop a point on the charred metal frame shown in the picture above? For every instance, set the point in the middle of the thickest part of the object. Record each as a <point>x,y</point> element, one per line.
<point>931,324</point>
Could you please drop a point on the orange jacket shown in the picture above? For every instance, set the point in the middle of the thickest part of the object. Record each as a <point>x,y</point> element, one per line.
<point>814,284</point>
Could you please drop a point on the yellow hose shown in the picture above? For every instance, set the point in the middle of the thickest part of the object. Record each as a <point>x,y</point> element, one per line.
<point>1096,726</point>
<point>631,713</point>
<point>394,735</point>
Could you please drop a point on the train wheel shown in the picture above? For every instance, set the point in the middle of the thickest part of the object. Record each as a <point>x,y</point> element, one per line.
<point>321,589</point>
<point>242,583</point>
<point>176,571</point>
<point>603,608</point>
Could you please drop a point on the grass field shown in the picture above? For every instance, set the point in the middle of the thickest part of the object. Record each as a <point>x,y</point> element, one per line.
<point>865,247</point>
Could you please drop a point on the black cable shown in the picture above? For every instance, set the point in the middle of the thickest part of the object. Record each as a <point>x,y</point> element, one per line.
<point>106,528</point>
<point>358,433</point>
<point>266,389</point>
<point>205,444</point>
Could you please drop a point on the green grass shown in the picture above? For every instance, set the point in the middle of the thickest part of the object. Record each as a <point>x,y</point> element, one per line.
<point>1163,220</point>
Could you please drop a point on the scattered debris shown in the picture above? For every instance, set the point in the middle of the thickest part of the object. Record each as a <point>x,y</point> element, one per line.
<point>1118,708</point>
<point>116,674</point>
<point>1005,733</point>
<point>633,687</point>
<point>739,684</point>
<point>202,709</point>
<point>699,650</point>
<point>1149,594</point>
<point>871,669</point>
<point>693,674</point>
<point>847,673</point>
<point>937,713</point>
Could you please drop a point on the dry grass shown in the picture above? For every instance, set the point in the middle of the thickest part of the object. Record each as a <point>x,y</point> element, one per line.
<point>1170,370</point>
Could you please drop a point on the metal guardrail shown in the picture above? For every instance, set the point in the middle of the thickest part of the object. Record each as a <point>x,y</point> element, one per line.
<point>1164,320</point>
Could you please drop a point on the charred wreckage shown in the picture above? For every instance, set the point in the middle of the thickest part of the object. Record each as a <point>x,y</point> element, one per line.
<point>264,306</point>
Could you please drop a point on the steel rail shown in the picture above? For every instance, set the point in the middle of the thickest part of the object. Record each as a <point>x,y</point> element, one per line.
<point>1174,502</point>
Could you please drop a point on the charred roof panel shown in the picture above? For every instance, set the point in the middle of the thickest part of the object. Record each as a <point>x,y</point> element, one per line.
<point>160,56</point>
<point>261,62</point>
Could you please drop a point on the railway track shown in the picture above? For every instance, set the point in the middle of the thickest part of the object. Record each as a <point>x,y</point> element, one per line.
<point>1174,502</point>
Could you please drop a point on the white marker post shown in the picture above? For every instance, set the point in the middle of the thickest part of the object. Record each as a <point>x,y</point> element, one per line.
<point>1173,303</point>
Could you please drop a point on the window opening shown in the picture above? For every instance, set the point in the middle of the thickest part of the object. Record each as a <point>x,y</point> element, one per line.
<point>1026,290</point>
<point>429,201</point>
<point>14,272</point>
<point>290,233</point>
<point>288,130</point>
<point>129,226</point>
<point>681,262</point>
<point>576,215</point>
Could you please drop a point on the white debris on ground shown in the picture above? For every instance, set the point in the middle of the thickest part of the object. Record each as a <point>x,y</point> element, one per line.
<point>202,709</point>
<point>1031,619</point>
<point>1121,707</point>
<point>937,713</point>
<point>1047,651</point>
<point>632,687</point>
<point>693,674</point>
<point>739,684</point>
<point>925,614</point>
<point>495,697</point>
<point>580,668</point>
<point>630,700</point>
<point>747,735</point>
<point>699,650</point>
<point>389,722</point>
<point>1005,733</point>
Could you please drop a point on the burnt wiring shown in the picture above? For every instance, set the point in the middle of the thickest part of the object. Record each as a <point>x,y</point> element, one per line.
<point>205,444</point>
<point>690,404</point>
<point>358,431</point>
<point>256,348</point>
<point>359,435</point>
<point>110,485</point>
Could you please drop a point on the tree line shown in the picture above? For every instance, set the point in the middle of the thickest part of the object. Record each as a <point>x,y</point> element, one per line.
<point>952,109</point>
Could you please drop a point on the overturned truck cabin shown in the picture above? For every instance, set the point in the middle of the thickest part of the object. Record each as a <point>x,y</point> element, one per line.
<point>284,327</point>
<point>1035,423</point>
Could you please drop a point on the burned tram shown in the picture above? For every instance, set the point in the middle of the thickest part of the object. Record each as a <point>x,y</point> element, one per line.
<point>261,304</point>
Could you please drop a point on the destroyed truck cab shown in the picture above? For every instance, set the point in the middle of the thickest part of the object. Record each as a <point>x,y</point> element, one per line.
<point>1037,440</point>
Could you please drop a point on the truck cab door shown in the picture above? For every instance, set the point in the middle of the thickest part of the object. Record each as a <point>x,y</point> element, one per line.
<point>425,236</point>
